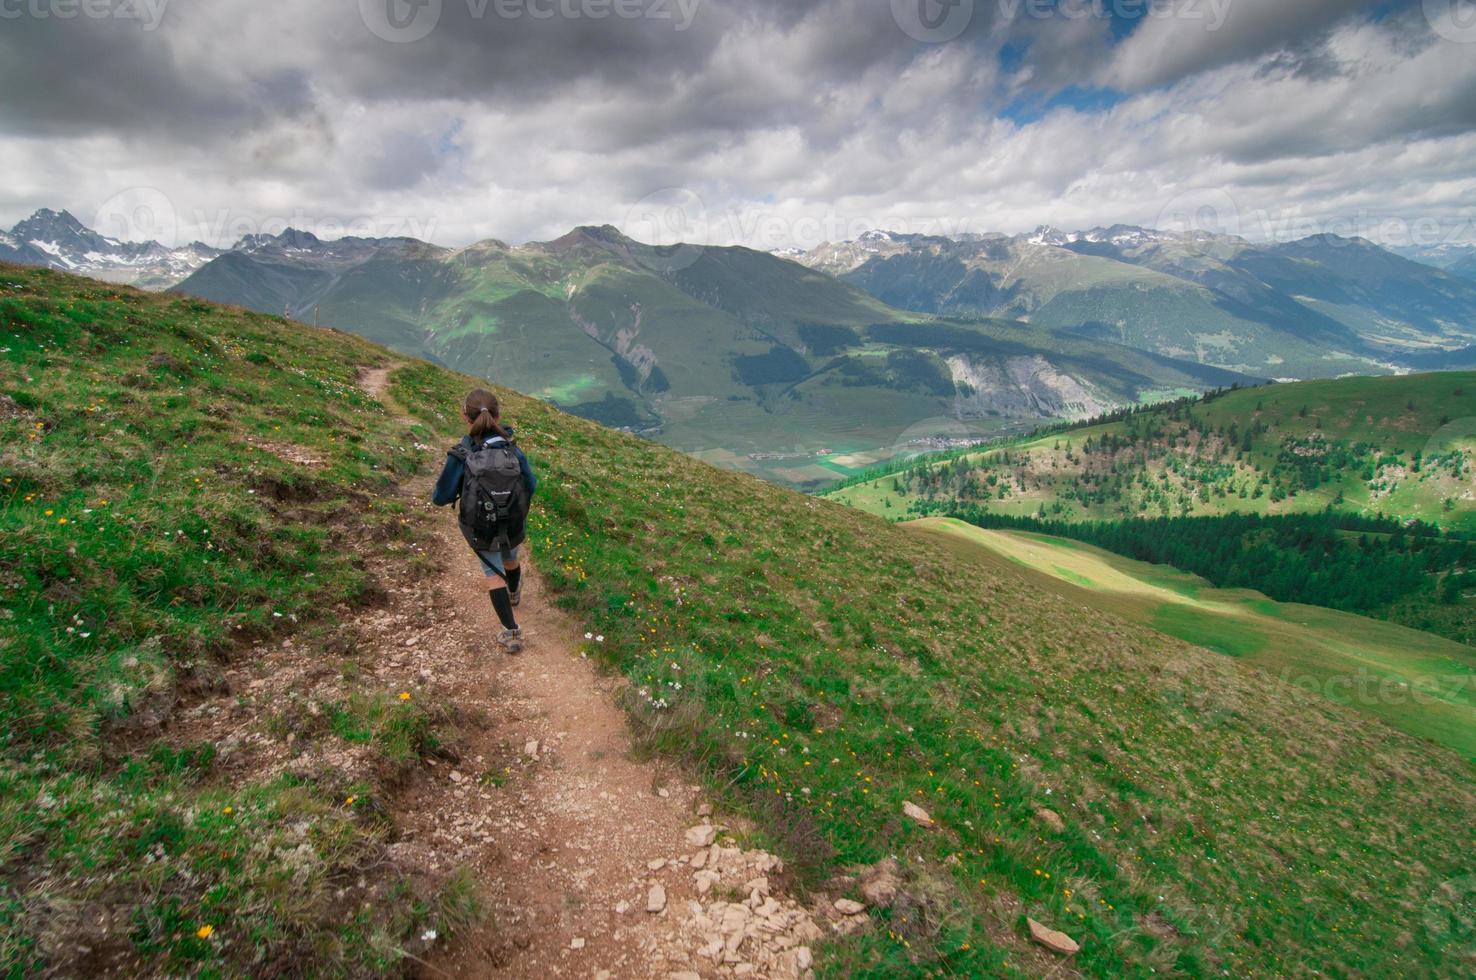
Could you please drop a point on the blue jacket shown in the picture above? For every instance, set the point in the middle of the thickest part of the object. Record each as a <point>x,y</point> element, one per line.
<point>448,487</point>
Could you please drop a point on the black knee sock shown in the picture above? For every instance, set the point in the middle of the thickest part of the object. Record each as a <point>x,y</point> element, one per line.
<point>514,576</point>
<point>503,604</point>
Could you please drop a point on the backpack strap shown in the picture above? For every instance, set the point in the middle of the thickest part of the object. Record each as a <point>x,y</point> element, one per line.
<point>459,452</point>
<point>504,547</point>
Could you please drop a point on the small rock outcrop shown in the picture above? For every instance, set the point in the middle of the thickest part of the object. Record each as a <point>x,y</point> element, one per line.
<point>761,935</point>
<point>701,836</point>
<point>1056,942</point>
<point>880,884</point>
<point>1051,820</point>
<point>917,814</point>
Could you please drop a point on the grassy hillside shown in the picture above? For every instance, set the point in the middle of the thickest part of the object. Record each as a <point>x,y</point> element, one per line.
<point>1416,682</point>
<point>825,668</point>
<point>817,666</point>
<point>1404,446</point>
<point>1144,484</point>
<point>184,488</point>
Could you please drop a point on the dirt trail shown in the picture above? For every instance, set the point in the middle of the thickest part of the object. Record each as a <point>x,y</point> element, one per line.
<point>567,835</point>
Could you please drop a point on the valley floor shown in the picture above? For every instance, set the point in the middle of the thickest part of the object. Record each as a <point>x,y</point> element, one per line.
<point>1417,682</point>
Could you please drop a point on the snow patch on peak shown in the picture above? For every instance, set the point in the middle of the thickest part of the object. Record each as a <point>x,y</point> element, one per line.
<point>1125,236</point>
<point>58,240</point>
<point>1046,235</point>
<point>54,250</point>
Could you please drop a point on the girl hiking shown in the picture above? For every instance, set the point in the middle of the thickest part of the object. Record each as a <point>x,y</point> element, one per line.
<point>491,479</point>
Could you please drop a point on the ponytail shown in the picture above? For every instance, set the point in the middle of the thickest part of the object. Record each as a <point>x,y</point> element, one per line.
<point>481,407</point>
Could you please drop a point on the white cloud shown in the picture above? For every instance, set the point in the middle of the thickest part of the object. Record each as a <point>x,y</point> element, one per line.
<point>789,128</point>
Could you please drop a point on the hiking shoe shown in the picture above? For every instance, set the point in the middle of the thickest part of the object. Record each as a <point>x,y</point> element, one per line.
<point>515,597</point>
<point>511,640</point>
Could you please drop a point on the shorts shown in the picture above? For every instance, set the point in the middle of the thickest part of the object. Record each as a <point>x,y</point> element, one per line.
<point>492,562</point>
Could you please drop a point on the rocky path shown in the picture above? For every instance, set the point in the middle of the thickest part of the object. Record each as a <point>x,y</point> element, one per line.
<point>593,864</point>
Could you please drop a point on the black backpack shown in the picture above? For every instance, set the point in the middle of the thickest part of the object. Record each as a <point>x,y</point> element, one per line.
<point>494,499</point>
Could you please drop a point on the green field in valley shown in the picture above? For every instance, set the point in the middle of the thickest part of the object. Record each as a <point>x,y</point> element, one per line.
<point>1416,682</point>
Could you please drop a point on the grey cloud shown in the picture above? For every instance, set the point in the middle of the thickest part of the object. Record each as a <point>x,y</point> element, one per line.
<point>1165,49</point>
<point>812,114</point>
<point>1353,105</point>
<point>83,75</point>
<point>1314,62</point>
<point>404,159</point>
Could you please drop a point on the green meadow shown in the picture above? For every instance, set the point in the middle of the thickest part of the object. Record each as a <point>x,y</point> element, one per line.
<point>1414,681</point>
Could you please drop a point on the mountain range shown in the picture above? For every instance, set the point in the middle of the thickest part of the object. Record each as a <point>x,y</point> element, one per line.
<point>1458,258</point>
<point>57,240</point>
<point>747,358</point>
<point>808,366</point>
<point>1318,307</point>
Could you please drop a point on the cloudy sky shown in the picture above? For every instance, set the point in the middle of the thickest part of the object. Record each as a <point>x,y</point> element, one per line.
<point>763,122</point>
